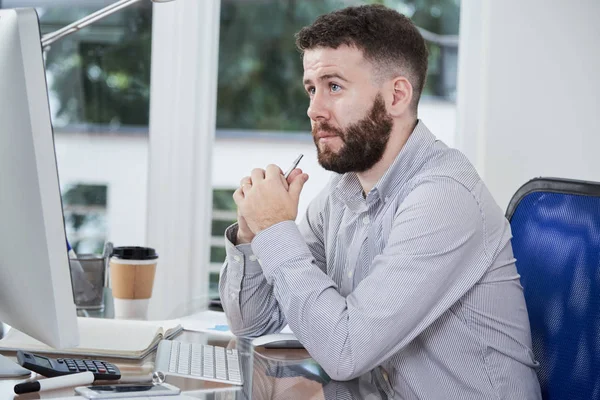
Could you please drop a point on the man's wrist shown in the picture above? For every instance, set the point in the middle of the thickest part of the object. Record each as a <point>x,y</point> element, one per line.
<point>242,239</point>
<point>267,223</point>
<point>273,252</point>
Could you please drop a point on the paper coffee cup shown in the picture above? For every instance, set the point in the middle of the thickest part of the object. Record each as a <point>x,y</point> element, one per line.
<point>132,271</point>
<point>131,309</point>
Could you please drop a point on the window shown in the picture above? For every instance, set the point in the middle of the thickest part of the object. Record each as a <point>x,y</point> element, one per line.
<point>84,208</point>
<point>100,76</point>
<point>224,214</point>
<point>260,71</point>
<point>98,87</point>
<point>260,94</point>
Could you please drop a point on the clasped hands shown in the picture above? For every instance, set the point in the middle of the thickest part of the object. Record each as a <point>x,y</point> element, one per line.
<point>266,198</point>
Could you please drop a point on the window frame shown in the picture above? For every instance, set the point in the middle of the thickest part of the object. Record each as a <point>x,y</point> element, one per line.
<point>183,94</point>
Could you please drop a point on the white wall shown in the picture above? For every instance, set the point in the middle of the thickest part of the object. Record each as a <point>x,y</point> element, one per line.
<point>121,163</point>
<point>529,90</point>
<point>440,118</point>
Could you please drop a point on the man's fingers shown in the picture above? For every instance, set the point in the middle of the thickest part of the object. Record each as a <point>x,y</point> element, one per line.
<point>238,196</point>
<point>273,171</point>
<point>246,188</point>
<point>294,174</point>
<point>284,182</point>
<point>245,185</point>
<point>297,185</point>
<point>257,175</point>
<point>245,180</point>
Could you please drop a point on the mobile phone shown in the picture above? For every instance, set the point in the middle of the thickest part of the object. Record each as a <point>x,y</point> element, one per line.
<point>127,390</point>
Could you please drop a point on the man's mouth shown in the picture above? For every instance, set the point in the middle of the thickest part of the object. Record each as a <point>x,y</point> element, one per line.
<point>323,135</point>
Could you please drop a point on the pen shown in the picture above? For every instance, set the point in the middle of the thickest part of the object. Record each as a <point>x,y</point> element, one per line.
<point>79,379</point>
<point>71,251</point>
<point>294,165</point>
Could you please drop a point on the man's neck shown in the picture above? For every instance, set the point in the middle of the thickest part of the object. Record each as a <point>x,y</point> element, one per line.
<point>398,138</point>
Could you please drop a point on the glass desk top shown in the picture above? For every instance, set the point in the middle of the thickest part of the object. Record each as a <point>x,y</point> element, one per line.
<point>268,374</point>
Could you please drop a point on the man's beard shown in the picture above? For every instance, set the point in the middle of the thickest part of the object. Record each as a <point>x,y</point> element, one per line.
<point>364,141</point>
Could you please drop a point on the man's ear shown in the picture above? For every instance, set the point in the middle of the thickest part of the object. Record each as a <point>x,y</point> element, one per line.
<point>401,95</point>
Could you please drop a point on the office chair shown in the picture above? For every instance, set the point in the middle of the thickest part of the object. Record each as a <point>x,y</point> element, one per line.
<point>556,241</point>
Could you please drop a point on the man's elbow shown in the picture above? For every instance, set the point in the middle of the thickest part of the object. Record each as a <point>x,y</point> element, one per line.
<point>342,370</point>
<point>240,329</point>
<point>244,331</point>
<point>341,376</point>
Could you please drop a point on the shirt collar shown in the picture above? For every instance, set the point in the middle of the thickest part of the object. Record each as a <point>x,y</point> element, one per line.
<point>408,162</point>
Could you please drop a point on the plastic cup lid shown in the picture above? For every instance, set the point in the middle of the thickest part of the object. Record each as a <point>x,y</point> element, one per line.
<point>135,253</point>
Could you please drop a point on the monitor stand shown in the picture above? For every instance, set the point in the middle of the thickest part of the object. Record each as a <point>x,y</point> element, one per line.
<point>8,368</point>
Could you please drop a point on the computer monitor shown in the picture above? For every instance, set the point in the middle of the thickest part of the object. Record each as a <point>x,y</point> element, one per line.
<point>36,295</point>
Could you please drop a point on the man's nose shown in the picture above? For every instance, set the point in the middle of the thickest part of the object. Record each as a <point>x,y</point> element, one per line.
<point>318,110</point>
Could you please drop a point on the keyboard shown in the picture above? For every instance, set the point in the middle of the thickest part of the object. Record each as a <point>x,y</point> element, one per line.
<point>198,361</point>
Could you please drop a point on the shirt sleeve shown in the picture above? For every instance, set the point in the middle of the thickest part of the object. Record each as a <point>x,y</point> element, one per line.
<point>434,254</point>
<point>246,296</point>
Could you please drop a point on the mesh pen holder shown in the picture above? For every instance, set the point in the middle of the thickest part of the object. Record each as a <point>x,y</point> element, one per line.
<point>88,276</point>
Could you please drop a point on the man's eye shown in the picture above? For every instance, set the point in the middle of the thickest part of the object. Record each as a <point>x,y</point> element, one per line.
<point>310,91</point>
<point>335,88</point>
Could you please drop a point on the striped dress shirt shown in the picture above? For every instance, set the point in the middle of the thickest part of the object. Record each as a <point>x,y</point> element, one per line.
<point>415,284</point>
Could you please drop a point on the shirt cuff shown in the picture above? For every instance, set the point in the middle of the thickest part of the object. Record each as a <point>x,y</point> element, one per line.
<point>240,257</point>
<point>278,245</point>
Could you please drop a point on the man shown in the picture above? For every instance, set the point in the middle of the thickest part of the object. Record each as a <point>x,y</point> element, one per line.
<point>402,267</point>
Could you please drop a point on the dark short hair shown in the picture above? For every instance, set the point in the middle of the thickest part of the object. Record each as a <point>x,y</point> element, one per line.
<point>387,39</point>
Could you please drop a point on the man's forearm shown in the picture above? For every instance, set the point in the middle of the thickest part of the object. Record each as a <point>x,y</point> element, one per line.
<point>251,307</point>
<point>247,298</point>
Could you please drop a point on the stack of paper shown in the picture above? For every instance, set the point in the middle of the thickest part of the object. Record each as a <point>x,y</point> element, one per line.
<point>213,322</point>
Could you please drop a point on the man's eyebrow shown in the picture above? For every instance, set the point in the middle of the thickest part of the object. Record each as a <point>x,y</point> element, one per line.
<point>326,77</point>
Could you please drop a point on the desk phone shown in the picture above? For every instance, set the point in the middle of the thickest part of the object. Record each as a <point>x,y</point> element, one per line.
<point>51,367</point>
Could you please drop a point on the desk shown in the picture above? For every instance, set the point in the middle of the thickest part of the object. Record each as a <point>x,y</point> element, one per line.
<point>268,374</point>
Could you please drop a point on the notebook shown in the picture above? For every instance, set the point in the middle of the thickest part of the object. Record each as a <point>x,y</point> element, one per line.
<point>100,337</point>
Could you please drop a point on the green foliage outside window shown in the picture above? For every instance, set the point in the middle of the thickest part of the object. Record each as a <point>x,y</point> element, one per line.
<point>223,200</point>
<point>101,75</point>
<point>260,70</point>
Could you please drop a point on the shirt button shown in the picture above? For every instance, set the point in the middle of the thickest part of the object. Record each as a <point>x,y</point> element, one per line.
<point>350,274</point>
<point>232,295</point>
<point>366,220</point>
<point>252,257</point>
<point>236,259</point>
